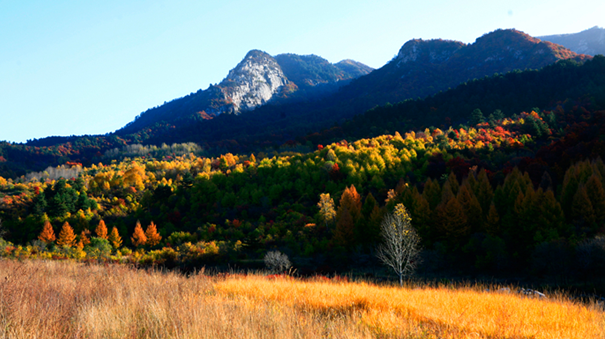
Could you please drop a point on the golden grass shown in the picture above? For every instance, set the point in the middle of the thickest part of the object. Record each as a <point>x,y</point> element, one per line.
<point>53,299</point>
<point>431,312</point>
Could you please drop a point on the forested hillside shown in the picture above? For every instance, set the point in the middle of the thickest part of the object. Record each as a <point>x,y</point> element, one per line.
<point>507,195</point>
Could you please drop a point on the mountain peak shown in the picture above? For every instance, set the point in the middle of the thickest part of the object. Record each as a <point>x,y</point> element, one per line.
<point>433,51</point>
<point>252,82</point>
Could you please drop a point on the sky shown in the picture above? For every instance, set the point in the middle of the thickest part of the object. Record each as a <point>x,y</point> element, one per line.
<point>90,67</point>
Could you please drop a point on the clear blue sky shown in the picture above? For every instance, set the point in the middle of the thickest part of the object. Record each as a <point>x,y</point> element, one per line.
<point>89,67</point>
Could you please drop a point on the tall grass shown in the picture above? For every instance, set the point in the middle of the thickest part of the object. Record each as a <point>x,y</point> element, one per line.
<point>430,312</point>
<point>53,299</point>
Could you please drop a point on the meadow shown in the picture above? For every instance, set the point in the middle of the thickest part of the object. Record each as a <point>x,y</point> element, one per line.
<point>64,299</point>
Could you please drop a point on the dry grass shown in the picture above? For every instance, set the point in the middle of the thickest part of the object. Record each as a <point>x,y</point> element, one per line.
<point>430,312</point>
<point>68,300</point>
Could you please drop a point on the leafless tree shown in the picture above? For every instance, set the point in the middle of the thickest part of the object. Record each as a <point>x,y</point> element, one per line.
<point>277,262</point>
<point>400,247</point>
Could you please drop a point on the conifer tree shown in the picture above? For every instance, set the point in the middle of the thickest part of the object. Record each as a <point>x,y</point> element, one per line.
<point>67,238</point>
<point>453,181</point>
<point>114,238</point>
<point>470,206</point>
<point>453,221</point>
<point>432,193</point>
<point>48,234</point>
<point>596,194</point>
<point>138,237</point>
<point>101,230</point>
<point>581,207</point>
<point>152,235</point>
<point>344,234</point>
<point>84,237</point>
<point>483,191</point>
<point>493,221</point>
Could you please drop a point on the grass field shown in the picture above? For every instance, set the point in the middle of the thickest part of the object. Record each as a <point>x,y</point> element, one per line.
<point>51,299</point>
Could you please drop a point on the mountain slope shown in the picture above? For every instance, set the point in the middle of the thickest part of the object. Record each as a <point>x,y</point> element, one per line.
<point>256,80</point>
<point>421,68</point>
<point>590,41</point>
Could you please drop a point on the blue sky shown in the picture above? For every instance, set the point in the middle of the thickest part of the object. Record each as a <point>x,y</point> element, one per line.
<point>89,67</point>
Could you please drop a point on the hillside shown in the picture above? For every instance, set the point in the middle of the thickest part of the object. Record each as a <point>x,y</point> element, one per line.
<point>258,79</point>
<point>590,41</point>
<point>422,68</point>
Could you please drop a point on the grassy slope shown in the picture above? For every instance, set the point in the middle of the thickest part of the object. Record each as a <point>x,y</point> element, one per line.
<point>61,299</point>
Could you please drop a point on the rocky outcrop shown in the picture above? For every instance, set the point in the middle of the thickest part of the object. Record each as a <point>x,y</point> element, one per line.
<point>252,82</point>
<point>431,51</point>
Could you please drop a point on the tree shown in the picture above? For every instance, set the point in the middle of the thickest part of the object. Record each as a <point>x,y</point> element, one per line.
<point>84,240</point>
<point>326,208</point>
<point>101,230</point>
<point>476,117</point>
<point>152,235</point>
<point>344,233</point>
<point>48,234</point>
<point>277,262</point>
<point>400,247</point>
<point>114,238</point>
<point>138,237</point>
<point>67,238</point>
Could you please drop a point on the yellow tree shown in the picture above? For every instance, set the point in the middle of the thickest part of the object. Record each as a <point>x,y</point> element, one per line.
<point>152,235</point>
<point>114,238</point>
<point>48,234</point>
<point>138,237</point>
<point>101,230</point>
<point>67,238</point>
<point>326,208</point>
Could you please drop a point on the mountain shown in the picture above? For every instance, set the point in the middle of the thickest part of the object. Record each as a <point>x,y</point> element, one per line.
<point>425,67</point>
<point>259,78</point>
<point>590,41</point>
<point>421,68</point>
<point>281,110</point>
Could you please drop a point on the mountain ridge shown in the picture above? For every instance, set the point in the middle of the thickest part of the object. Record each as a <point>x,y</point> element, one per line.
<point>590,41</point>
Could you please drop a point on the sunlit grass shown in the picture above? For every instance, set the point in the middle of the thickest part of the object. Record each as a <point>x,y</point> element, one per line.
<point>436,312</point>
<point>50,299</point>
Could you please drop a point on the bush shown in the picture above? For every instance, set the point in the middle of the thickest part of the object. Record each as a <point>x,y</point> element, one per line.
<point>277,262</point>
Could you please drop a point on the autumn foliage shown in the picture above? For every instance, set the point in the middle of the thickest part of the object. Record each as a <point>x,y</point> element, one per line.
<point>48,234</point>
<point>138,237</point>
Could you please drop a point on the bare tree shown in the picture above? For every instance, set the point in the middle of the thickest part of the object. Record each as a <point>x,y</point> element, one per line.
<point>277,262</point>
<point>400,247</point>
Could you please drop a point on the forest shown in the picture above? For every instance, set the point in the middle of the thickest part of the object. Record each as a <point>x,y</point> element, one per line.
<point>498,195</point>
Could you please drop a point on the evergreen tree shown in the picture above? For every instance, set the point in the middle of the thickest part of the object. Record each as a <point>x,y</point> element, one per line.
<point>596,195</point>
<point>453,221</point>
<point>344,235</point>
<point>432,193</point>
<point>581,207</point>
<point>492,225</point>
<point>476,117</point>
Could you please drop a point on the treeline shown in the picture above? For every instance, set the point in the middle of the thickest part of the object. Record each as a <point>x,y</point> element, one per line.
<point>273,127</point>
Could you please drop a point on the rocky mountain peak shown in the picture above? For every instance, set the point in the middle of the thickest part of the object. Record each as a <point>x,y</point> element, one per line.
<point>433,51</point>
<point>252,82</point>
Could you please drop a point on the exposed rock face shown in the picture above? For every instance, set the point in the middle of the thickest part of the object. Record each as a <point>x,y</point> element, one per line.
<point>432,51</point>
<point>252,82</point>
